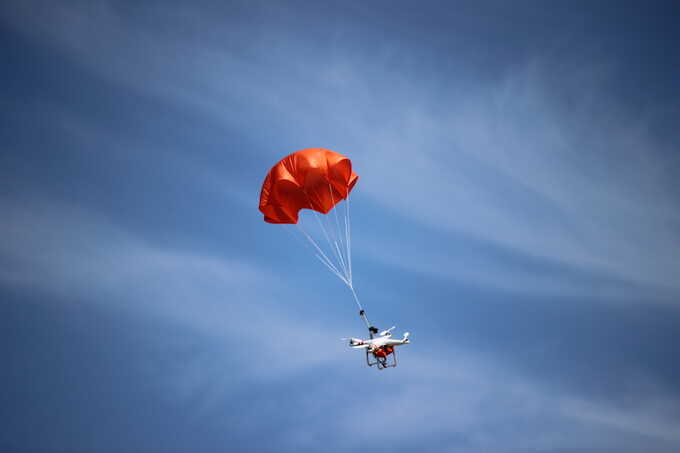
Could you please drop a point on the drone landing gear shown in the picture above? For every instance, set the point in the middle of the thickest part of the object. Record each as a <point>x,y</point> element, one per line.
<point>382,358</point>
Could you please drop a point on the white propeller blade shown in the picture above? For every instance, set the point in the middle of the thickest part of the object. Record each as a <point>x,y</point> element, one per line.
<point>387,332</point>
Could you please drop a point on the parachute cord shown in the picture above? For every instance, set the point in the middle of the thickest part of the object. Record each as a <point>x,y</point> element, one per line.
<point>336,251</point>
<point>325,232</point>
<point>362,312</point>
<point>345,264</point>
<point>343,246</point>
<point>323,257</point>
<point>348,245</point>
<point>326,261</point>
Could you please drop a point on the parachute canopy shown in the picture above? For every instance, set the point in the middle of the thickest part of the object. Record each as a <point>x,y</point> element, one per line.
<point>312,178</point>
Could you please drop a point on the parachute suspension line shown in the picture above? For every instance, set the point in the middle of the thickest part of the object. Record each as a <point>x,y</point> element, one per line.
<point>341,262</point>
<point>343,268</point>
<point>323,260</point>
<point>348,254</point>
<point>343,246</point>
<point>348,237</point>
<point>348,245</point>
<point>329,264</point>
<point>333,245</point>
<point>323,257</point>
<point>362,312</point>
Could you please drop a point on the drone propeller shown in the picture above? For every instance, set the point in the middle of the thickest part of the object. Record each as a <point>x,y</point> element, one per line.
<point>388,331</point>
<point>354,342</point>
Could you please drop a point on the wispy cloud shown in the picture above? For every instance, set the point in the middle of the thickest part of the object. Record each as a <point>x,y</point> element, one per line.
<point>534,180</point>
<point>63,252</point>
<point>468,404</point>
<point>465,401</point>
<point>563,174</point>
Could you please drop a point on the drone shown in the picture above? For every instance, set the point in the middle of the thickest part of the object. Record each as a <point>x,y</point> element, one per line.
<point>380,347</point>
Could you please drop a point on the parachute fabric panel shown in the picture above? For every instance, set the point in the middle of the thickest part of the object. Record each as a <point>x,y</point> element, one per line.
<point>312,178</point>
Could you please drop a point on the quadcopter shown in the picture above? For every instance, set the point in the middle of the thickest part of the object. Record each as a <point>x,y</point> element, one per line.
<point>380,347</point>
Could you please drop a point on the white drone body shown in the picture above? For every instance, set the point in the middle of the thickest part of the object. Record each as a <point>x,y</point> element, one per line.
<point>380,347</point>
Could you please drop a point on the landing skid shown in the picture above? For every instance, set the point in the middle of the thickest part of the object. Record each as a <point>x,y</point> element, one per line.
<point>382,362</point>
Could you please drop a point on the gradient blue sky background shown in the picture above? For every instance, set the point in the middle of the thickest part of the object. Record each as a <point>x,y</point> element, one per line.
<point>517,212</point>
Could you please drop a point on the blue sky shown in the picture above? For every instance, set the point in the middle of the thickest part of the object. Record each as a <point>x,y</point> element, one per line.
<point>517,212</point>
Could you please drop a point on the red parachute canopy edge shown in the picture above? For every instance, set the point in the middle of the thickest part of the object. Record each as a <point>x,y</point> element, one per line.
<point>312,178</point>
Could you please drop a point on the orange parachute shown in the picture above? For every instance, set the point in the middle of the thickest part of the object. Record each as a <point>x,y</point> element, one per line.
<point>312,178</point>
